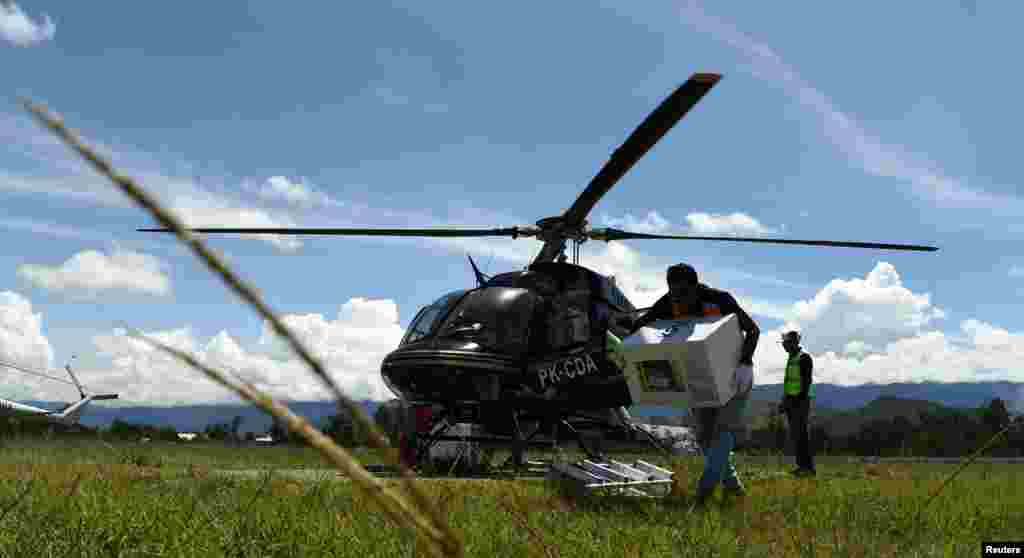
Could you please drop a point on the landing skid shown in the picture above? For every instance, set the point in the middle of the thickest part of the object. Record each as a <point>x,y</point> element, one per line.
<point>595,474</point>
<point>520,441</point>
<point>639,479</point>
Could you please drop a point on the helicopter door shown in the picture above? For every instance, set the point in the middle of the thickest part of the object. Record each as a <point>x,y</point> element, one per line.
<point>569,323</point>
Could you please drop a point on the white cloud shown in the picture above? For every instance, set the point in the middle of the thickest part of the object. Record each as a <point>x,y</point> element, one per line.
<point>926,356</point>
<point>731,224</point>
<point>91,271</point>
<point>641,278</point>
<point>1017,271</point>
<point>875,330</point>
<point>774,310</point>
<point>141,374</point>
<point>874,310</point>
<point>652,223</point>
<point>23,344</point>
<point>17,28</point>
<point>21,333</point>
<point>846,133</point>
<point>351,346</point>
<point>209,212</point>
<point>723,224</point>
<point>297,193</point>
<point>987,335</point>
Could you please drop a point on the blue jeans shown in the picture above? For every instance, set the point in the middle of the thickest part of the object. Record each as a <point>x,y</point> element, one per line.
<point>718,428</point>
<point>718,465</point>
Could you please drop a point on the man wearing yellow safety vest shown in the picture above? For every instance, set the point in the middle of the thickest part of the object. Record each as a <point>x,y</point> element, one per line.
<point>798,392</point>
<point>718,427</point>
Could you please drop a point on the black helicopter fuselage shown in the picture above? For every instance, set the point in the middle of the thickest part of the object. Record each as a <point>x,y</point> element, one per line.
<point>533,340</point>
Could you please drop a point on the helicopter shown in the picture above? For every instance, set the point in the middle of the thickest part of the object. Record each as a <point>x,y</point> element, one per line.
<point>524,352</point>
<point>68,416</point>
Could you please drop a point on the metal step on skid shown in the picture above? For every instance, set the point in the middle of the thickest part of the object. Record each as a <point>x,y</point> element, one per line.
<point>639,479</point>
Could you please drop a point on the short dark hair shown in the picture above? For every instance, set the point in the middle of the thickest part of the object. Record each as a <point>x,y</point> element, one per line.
<point>682,272</point>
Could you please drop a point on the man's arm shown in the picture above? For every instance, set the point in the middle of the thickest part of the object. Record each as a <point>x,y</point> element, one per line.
<point>806,375</point>
<point>750,329</point>
<point>652,315</point>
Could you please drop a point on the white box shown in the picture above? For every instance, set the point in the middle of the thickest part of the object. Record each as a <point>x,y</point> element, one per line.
<point>684,363</point>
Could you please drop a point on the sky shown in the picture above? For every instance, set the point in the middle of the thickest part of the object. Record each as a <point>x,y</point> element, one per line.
<point>865,122</point>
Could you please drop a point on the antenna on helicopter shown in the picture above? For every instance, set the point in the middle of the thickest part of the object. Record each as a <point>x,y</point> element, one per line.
<point>480,277</point>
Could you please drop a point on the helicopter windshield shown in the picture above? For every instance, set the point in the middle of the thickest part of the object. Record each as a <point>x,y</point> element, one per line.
<point>429,318</point>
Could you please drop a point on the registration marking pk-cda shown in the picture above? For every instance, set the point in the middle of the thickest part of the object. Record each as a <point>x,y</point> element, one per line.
<point>567,368</point>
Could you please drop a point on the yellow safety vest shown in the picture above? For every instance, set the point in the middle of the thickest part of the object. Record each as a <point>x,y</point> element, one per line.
<point>791,385</point>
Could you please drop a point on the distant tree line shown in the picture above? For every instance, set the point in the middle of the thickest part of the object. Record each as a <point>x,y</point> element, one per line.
<point>344,430</point>
<point>938,433</point>
<point>32,427</point>
<point>341,428</point>
<point>124,430</point>
<point>27,427</point>
<point>947,433</point>
<point>219,431</point>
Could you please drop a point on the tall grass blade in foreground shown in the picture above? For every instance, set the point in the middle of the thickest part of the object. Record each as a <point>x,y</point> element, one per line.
<point>170,221</point>
<point>963,466</point>
<point>392,502</point>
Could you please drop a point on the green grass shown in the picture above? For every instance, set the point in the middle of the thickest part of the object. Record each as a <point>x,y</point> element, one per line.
<point>177,507</point>
<point>170,455</point>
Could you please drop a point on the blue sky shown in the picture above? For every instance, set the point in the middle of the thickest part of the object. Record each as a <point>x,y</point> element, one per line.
<point>863,122</point>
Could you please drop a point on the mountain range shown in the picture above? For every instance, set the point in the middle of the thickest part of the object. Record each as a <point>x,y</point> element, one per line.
<point>194,418</point>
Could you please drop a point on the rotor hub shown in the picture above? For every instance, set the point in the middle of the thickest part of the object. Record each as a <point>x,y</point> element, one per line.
<point>556,229</point>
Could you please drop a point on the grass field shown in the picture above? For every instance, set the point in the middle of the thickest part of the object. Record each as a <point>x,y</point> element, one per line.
<point>165,455</point>
<point>86,498</point>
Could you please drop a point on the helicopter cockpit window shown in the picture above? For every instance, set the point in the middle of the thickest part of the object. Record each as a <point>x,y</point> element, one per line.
<point>415,331</point>
<point>430,317</point>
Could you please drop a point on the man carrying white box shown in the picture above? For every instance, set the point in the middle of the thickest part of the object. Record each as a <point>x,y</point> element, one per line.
<point>719,420</point>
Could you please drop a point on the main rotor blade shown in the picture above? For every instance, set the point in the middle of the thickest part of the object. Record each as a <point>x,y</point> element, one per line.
<point>615,234</point>
<point>643,138</point>
<point>511,231</point>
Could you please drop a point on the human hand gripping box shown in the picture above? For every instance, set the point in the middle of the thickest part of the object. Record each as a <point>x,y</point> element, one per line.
<point>684,363</point>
